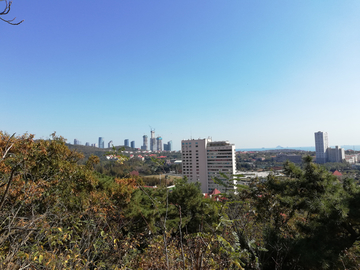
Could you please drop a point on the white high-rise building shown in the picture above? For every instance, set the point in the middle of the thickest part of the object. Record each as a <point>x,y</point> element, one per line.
<point>204,160</point>
<point>321,145</point>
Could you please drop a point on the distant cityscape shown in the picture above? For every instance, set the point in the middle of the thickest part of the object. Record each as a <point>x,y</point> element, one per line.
<point>204,160</point>
<point>156,144</point>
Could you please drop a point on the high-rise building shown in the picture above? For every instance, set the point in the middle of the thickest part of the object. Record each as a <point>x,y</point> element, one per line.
<point>77,142</point>
<point>159,144</point>
<point>87,144</point>
<point>145,143</point>
<point>152,140</point>
<point>132,144</point>
<point>110,144</point>
<point>168,146</point>
<point>126,142</point>
<point>101,142</point>
<point>336,154</point>
<point>321,145</point>
<point>204,160</point>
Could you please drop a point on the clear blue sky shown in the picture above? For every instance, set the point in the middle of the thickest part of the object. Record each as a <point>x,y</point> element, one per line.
<point>256,73</point>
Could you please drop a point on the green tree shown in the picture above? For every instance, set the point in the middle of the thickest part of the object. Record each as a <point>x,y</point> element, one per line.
<point>310,219</point>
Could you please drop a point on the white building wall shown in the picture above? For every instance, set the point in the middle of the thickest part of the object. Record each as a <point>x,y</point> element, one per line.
<point>221,164</point>
<point>321,145</point>
<point>202,160</point>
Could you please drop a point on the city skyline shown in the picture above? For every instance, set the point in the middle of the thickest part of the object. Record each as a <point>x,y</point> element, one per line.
<point>258,74</point>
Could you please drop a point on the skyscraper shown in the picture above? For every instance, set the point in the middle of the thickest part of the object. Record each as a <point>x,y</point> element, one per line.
<point>110,144</point>
<point>169,146</point>
<point>145,143</point>
<point>77,142</point>
<point>204,160</point>
<point>159,144</point>
<point>321,145</point>
<point>132,144</point>
<point>152,140</point>
<point>126,142</point>
<point>101,142</point>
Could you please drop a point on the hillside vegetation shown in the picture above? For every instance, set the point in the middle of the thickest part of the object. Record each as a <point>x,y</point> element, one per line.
<point>56,213</point>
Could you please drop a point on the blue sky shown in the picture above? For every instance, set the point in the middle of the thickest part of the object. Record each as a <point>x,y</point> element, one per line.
<point>256,73</point>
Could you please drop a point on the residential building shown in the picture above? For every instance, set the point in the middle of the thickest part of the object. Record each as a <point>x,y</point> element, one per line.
<point>159,144</point>
<point>152,140</point>
<point>168,146</point>
<point>126,142</point>
<point>145,143</point>
<point>132,144</point>
<point>321,145</point>
<point>204,160</point>
<point>101,142</point>
<point>336,154</point>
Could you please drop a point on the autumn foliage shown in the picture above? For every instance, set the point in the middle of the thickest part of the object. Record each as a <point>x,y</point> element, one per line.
<point>58,214</point>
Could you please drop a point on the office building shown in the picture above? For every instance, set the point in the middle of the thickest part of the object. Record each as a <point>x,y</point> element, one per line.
<point>132,144</point>
<point>159,144</point>
<point>110,144</point>
<point>126,142</point>
<point>101,142</point>
<point>204,160</point>
<point>321,145</point>
<point>145,143</point>
<point>87,144</point>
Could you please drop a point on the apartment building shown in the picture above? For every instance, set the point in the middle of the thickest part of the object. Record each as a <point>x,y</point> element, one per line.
<point>321,146</point>
<point>204,160</point>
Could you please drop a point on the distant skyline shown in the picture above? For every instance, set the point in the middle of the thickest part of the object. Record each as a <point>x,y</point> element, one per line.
<point>255,73</point>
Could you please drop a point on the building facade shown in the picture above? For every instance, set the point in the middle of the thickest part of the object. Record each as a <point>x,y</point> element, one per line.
<point>152,140</point>
<point>101,142</point>
<point>168,146</point>
<point>77,142</point>
<point>205,161</point>
<point>145,143</point>
<point>321,146</point>
<point>110,144</point>
<point>336,154</point>
<point>132,144</point>
<point>159,144</point>
<point>126,142</point>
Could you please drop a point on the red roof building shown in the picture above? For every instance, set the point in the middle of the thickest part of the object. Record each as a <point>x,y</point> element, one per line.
<point>337,173</point>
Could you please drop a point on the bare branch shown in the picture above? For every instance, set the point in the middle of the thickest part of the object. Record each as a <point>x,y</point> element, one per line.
<point>6,11</point>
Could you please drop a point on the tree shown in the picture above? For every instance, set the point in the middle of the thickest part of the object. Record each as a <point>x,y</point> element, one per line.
<point>310,220</point>
<point>6,11</point>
